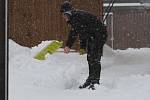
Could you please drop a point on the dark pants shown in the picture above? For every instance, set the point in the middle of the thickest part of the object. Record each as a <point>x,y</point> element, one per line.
<point>94,53</point>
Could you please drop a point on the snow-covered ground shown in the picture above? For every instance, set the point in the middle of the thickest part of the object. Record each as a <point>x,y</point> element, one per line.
<point>125,75</point>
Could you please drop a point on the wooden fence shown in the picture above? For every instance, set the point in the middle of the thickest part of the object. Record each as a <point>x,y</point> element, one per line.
<point>129,29</point>
<point>33,21</point>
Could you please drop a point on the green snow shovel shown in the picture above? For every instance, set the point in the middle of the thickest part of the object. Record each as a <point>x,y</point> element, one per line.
<point>51,48</point>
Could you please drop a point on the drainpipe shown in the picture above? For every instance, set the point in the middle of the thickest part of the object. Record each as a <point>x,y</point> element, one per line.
<point>112,31</point>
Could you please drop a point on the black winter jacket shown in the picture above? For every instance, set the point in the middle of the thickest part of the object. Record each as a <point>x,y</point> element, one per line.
<point>85,25</point>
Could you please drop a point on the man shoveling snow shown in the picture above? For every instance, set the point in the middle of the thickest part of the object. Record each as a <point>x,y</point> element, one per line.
<point>92,35</point>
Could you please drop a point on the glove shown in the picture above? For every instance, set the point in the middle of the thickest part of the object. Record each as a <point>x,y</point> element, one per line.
<point>66,50</point>
<point>82,51</point>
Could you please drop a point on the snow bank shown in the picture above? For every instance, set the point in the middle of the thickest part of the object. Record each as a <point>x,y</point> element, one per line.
<point>108,52</point>
<point>125,75</point>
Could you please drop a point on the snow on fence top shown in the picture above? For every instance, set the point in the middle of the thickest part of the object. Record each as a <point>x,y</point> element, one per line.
<point>123,4</point>
<point>147,5</point>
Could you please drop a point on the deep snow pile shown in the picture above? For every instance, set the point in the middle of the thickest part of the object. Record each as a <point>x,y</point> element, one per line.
<point>125,75</point>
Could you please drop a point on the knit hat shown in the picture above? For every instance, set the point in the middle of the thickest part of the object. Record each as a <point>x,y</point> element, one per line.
<point>66,6</point>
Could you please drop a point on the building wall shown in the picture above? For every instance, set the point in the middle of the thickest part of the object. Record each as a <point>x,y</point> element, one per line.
<point>130,29</point>
<point>33,21</point>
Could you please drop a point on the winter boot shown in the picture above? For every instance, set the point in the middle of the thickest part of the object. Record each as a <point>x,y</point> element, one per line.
<point>93,82</point>
<point>86,84</point>
<point>92,87</point>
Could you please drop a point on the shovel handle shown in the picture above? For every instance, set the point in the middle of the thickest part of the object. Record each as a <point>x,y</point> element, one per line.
<point>73,51</point>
